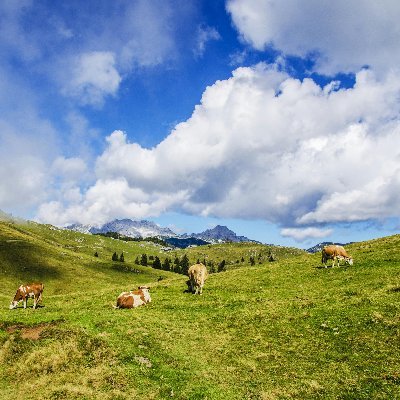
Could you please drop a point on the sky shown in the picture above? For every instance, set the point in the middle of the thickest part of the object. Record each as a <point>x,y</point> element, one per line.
<point>279,119</point>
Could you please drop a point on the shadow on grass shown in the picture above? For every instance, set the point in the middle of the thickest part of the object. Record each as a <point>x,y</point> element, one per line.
<point>26,261</point>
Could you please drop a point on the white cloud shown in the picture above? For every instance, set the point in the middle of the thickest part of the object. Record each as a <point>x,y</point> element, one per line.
<point>93,77</point>
<point>106,200</point>
<point>262,145</point>
<point>145,35</point>
<point>27,143</point>
<point>346,35</point>
<point>69,168</point>
<point>204,35</point>
<point>300,234</point>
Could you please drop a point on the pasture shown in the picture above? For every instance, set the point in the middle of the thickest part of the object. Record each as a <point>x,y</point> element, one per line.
<point>276,330</point>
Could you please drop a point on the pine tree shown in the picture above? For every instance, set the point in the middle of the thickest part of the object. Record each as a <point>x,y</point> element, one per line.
<point>96,254</point>
<point>137,261</point>
<point>184,264</point>
<point>143,260</point>
<point>252,261</point>
<point>222,266</point>
<point>177,267</point>
<point>156,263</point>
<point>121,257</point>
<point>166,266</point>
<point>114,257</point>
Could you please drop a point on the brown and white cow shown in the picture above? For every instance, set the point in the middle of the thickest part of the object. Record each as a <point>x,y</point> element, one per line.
<point>24,292</point>
<point>134,298</point>
<point>335,253</point>
<point>197,276</point>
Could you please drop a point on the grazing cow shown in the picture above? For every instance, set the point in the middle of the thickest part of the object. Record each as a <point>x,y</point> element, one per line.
<point>335,252</point>
<point>24,292</point>
<point>197,276</point>
<point>134,298</point>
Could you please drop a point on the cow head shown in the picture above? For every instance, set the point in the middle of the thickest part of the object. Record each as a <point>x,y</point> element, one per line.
<point>349,260</point>
<point>17,299</point>
<point>146,293</point>
<point>13,305</point>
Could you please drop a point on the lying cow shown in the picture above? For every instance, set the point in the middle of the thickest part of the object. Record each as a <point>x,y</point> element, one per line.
<point>197,276</point>
<point>134,298</point>
<point>335,252</point>
<point>24,292</point>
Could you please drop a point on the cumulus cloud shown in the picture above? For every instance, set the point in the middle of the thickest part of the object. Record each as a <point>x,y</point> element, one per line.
<point>263,145</point>
<point>342,35</point>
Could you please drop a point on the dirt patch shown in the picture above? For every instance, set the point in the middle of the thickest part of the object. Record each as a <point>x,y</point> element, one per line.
<point>29,332</point>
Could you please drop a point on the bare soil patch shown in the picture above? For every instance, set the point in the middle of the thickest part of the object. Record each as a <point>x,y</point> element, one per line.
<point>29,332</point>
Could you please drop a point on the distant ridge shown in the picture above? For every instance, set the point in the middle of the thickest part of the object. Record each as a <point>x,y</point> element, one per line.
<point>318,247</point>
<point>145,229</point>
<point>127,227</point>
<point>220,233</point>
<point>183,243</point>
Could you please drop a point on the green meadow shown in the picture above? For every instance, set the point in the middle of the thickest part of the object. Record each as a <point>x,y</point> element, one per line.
<point>286,329</point>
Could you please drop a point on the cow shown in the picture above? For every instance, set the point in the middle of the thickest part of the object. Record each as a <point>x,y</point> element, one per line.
<point>335,253</point>
<point>197,276</point>
<point>24,292</point>
<point>134,298</point>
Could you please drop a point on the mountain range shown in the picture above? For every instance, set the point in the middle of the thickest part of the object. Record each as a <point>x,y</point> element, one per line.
<point>145,229</point>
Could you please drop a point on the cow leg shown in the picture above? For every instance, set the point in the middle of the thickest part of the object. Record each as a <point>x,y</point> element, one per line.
<point>25,301</point>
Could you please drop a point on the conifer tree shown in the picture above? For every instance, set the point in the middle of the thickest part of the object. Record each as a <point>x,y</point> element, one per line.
<point>143,260</point>
<point>184,264</point>
<point>114,257</point>
<point>121,257</point>
<point>177,267</point>
<point>156,263</point>
<point>166,266</point>
<point>222,266</point>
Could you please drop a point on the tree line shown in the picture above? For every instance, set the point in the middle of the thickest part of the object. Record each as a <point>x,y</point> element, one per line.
<point>181,265</point>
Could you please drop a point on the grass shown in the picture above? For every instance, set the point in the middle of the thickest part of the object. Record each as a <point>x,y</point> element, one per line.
<point>280,330</point>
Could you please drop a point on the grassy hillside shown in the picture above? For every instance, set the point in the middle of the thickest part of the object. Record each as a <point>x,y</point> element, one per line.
<point>281,330</point>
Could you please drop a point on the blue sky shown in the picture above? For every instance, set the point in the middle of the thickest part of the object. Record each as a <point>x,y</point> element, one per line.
<point>279,119</point>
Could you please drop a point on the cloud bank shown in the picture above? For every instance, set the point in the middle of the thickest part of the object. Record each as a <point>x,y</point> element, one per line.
<point>261,145</point>
<point>342,35</point>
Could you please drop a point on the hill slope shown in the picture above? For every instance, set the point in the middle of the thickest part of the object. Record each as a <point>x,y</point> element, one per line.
<point>281,330</point>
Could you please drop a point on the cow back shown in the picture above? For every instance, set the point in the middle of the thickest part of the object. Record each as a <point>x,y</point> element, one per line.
<point>198,273</point>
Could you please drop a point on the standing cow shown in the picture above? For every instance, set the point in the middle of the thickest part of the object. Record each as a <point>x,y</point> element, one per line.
<point>197,276</point>
<point>335,253</point>
<point>24,292</point>
<point>134,298</point>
